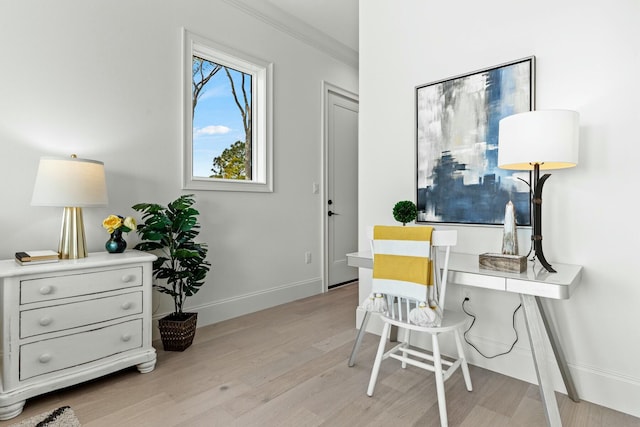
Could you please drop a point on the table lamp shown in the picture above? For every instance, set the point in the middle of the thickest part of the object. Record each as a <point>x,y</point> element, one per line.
<point>71,183</point>
<point>535,141</point>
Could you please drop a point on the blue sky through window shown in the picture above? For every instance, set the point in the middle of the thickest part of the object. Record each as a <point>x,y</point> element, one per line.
<point>217,122</point>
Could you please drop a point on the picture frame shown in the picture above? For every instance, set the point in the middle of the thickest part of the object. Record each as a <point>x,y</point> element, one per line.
<point>457,176</point>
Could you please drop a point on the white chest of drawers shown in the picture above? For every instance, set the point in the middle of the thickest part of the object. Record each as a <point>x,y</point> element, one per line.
<point>71,321</point>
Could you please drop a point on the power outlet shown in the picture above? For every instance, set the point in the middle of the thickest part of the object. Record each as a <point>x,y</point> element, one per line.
<point>307,257</point>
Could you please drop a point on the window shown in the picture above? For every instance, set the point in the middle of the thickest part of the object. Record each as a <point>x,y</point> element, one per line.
<point>227,118</point>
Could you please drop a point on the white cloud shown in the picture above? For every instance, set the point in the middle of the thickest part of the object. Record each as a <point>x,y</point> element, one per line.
<point>212,130</point>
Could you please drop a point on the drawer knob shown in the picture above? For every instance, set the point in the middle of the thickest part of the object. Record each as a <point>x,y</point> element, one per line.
<point>126,305</point>
<point>45,321</point>
<point>127,278</point>
<point>126,337</point>
<point>46,290</point>
<point>44,358</point>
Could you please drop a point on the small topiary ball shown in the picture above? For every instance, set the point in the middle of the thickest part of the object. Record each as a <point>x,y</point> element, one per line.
<point>405,211</point>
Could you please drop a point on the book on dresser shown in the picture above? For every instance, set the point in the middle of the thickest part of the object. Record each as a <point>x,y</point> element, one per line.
<point>36,257</point>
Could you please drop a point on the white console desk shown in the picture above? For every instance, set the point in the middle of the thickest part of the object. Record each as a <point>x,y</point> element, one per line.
<point>531,285</point>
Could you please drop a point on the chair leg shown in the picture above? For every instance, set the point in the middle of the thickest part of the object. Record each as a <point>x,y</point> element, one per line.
<point>378,361</point>
<point>464,365</point>
<point>406,340</point>
<point>356,344</point>
<point>437,362</point>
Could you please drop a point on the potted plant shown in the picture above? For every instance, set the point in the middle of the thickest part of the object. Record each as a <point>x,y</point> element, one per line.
<point>405,211</point>
<point>181,267</point>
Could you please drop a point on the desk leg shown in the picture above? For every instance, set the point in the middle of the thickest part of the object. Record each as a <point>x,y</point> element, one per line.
<point>356,344</point>
<point>393,334</point>
<point>538,349</point>
<point>557,351</point>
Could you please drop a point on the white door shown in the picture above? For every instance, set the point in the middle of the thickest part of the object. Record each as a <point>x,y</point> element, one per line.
<point>342,186</point>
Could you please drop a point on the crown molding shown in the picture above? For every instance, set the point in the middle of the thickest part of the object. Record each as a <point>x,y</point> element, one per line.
<point>294,27</point>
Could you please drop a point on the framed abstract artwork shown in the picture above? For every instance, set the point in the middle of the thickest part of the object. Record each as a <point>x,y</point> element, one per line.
<point>458,179</point>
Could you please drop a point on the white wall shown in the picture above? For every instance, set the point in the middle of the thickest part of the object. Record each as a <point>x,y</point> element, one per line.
<point>587,60</point>
<point>102,79</point>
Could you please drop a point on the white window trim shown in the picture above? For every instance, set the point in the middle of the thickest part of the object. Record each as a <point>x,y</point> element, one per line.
<point>261,121</point>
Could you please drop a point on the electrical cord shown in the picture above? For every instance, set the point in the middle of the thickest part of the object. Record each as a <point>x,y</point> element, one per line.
<point>474,321</point>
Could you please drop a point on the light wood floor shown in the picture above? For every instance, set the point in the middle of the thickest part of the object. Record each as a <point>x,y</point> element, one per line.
<point>287,366</point>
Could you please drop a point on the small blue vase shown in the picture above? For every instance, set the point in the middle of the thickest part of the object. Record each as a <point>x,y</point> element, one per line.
<point>116,243</point>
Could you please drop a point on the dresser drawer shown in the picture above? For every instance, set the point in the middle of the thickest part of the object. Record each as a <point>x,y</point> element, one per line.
<point>56,287</point>
<point>57,318</point>
<point>55,354</point>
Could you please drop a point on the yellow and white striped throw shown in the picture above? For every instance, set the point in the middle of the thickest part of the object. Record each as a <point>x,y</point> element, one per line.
<point>401,261</point>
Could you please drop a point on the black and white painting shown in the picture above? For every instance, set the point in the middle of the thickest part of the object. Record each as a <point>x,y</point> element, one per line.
<point>458,179</point>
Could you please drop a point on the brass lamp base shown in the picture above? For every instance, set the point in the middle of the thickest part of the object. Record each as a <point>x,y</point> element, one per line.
<point>72,241</point>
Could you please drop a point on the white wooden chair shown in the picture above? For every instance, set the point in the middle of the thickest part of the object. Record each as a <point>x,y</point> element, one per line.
<point>408,272</point>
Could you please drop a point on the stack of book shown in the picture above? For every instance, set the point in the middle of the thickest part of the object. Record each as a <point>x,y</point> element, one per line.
<point>36,257</point>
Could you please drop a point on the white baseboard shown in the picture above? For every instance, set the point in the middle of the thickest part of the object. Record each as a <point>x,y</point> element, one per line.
<point>606,388</point>
<point>229,308</point>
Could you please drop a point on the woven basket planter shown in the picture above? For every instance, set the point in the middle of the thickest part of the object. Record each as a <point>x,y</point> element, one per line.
<point>177,334</point>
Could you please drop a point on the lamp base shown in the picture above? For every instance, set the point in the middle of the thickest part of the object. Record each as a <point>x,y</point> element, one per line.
<point>538,183</point>
<point>72,241</point>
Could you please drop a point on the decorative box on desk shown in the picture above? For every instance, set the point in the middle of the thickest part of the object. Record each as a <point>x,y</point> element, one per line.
<point>71,321</point>
<point>502,262</point>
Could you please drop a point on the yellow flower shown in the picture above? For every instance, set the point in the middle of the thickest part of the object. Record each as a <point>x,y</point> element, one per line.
<point>111,223</point>
<point>130,223</point>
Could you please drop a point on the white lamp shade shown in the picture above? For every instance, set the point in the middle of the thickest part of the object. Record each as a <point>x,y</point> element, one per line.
<point>548,138</point>
<point>70,182</point>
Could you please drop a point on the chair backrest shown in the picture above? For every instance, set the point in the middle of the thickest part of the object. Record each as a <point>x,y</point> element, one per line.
<point>412,262</point>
